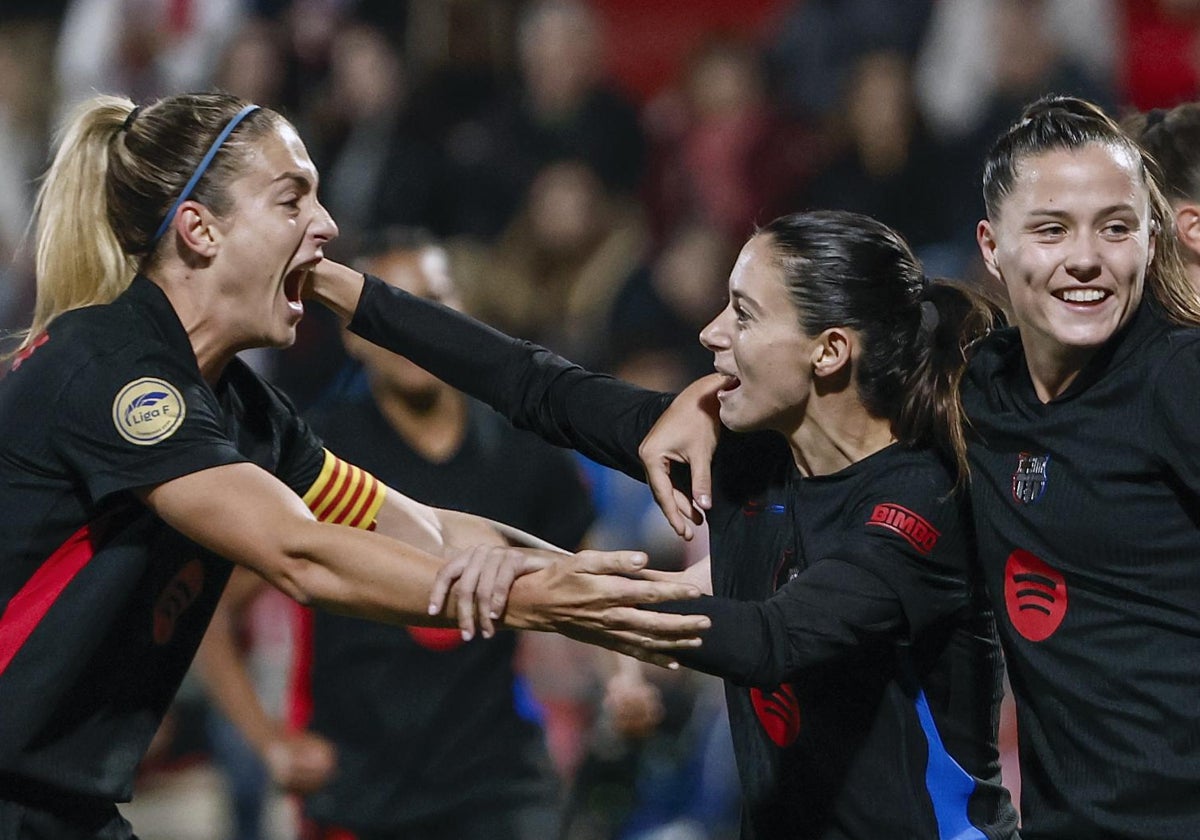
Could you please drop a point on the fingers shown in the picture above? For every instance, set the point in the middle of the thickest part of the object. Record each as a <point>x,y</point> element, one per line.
<point>648,591</point>
<point>700,461</point>
<point>655,630</point>
<point>658,476</point>
<point>629,643</point>
<point>505,576</point>
<point>466,591</point>
<point>487,595</point>
<point>611,562</point>
<point>653,657</point>
<point>445,579</point>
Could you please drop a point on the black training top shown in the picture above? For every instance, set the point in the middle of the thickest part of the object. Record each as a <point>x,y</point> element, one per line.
<point>424,723</point>
<point>101,605</point>
<point>861,662</point>
<point>1087,511</point>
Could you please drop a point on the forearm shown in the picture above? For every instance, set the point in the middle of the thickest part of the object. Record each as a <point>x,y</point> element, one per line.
<point>222,669</point>
<point>246,515</point>
<point>812,621</point>
<point>601,417</point>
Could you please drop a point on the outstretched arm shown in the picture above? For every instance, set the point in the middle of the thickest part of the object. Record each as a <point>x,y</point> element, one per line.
<point>245,514</point>
<point>601,417</point>
<point>829,611</point>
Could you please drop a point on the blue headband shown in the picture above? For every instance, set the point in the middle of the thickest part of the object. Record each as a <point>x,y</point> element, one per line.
<point>204,162</point>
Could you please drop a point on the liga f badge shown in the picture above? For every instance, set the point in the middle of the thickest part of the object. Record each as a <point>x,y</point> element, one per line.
<point>1029,481</point>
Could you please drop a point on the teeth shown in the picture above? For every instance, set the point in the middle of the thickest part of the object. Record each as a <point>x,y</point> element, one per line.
<point>1083,295</point>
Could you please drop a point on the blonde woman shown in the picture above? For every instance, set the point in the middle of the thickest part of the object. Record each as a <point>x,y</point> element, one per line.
<point>140,456</point>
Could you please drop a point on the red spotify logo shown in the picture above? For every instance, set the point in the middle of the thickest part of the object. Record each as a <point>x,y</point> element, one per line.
<point>779,714</point>
<point>436,638</point>
<point>1035,595</point>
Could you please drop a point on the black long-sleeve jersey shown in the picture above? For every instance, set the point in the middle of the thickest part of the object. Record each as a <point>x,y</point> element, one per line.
<point>861,661</point>
<point>425,724</point>
<point>102,605</point>
<point>1087,510</point>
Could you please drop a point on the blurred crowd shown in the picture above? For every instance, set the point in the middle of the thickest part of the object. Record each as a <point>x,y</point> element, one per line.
<point>589,168</point>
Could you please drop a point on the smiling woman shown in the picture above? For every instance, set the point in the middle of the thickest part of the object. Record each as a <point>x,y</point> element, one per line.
<point>1085,478</point>
<point>139,456</point>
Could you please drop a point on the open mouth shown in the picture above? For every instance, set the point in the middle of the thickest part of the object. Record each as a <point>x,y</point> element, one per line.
<point>729,384</point>
<point>1085,297</point>
<point>293,284</point>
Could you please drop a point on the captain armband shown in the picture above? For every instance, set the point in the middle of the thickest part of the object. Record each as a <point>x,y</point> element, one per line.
<point>343,494</point>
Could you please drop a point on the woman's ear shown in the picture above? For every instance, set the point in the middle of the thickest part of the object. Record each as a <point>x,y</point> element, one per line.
<point>1187,230</point>
<point>832,351</point>
<point>196,226</point>
<point>985,236</point>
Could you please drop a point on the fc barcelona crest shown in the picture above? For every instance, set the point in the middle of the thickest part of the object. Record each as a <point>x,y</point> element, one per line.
<point>1029,481</point>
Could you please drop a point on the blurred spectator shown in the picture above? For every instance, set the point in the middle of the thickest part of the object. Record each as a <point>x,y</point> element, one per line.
<point>820,42</point>
<point>647,44</point>
<point>255,64</point>
<point>984,59</point>
<point>378,171</point>
<point>561,108</point>
<point>891,168</point>
<point>665,303</point>
<point>554,274</point>
<point>672,781</point>
<point>722,153</point>
<point>141,48</point>
<point>26,47</point>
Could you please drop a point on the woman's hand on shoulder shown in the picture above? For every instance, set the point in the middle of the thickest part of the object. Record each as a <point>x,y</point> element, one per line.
<point>686,433</point>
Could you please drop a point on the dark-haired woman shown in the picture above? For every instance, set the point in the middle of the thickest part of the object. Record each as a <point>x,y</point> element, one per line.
<point>139,455</point>
<point>861,663</point>
<point>1085,478</point>
<point>1172,137</point>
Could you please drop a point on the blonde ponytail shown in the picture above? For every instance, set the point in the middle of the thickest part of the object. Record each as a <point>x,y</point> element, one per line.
<point>79,261</point>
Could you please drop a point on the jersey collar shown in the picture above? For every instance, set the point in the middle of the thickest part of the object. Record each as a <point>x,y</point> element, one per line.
<point>151,302</point>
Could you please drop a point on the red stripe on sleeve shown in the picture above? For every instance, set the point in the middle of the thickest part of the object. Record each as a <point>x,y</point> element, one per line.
<point>335,479</point>
<point>364,481</point>
<point>33,600</point>
<point>353,482</point>
<point>366,508</point>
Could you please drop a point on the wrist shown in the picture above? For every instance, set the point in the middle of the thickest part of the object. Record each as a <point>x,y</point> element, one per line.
<point>524,611</point>
<point>337,287</point>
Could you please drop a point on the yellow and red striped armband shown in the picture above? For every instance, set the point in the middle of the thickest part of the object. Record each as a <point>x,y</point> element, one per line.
<point>345,495</point>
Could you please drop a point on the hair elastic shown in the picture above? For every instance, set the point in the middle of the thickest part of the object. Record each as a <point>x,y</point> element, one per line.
<point>202,167</point>
<point>1154,117</point>
<point>929,317</point>
<point>130,117</point>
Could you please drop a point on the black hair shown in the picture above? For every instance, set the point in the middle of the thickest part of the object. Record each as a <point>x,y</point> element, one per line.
<point>846,269</point>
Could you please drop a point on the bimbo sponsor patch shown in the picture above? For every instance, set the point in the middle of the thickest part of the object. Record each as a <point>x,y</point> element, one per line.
<point>148,410</point>
<point>920,534</point>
